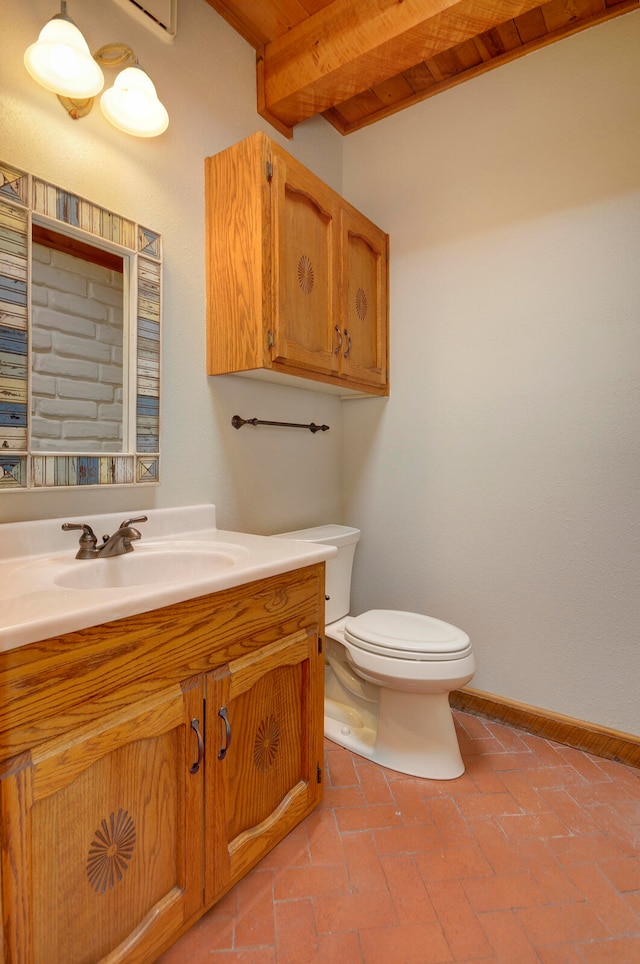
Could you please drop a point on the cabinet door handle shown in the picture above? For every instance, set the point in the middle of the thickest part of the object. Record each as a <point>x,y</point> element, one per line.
<point>195,726</point>
<point>346,354</point>
<point>336,351</point>
<point>222,713</point>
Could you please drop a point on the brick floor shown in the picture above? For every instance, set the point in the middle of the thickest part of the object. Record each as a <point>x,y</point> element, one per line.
<point>533,855</point>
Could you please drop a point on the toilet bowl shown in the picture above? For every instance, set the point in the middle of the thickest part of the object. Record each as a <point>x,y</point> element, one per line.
<point>388,674</point>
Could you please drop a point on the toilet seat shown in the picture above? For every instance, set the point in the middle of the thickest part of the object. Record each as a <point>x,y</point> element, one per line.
<point>404,635</point>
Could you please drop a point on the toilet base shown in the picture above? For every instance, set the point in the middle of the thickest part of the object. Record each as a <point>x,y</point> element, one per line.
<point>414,733</point>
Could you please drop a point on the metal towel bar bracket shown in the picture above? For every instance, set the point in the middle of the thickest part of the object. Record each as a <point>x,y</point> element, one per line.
<point>238,422</point>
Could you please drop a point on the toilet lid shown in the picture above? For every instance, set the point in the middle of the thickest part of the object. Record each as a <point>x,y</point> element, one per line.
<point>406,635</point>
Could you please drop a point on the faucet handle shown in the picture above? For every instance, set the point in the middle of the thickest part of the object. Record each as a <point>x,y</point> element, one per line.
<point>130,522</point>
<point>88,539</point>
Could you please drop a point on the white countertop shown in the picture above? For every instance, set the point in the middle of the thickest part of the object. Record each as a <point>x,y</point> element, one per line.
<point>37,566</point>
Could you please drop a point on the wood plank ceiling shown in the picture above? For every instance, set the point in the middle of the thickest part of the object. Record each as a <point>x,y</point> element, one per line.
<point>356,61</point>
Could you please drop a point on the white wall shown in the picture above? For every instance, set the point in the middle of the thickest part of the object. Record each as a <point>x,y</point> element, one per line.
<point>498,487</point>
<point>260,479</point>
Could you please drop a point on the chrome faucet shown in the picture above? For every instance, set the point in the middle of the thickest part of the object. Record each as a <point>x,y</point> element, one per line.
<point>115,545</point>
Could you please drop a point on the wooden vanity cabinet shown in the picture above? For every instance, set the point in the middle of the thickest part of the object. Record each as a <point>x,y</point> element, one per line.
<point>297,279</point>
<point>146,765</point>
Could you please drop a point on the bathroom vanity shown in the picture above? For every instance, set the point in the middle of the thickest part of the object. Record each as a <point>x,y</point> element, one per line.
<point>149,761</point>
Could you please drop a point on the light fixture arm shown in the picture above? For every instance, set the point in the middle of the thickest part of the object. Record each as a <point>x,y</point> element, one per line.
<point>113,55</point>
<point>63,15</point>
<point>109,55</point>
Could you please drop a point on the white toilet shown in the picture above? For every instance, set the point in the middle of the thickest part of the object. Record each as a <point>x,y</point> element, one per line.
<point>388,674</point>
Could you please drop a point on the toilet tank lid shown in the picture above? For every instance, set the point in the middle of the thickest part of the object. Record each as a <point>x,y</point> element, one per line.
<point>332,535</point>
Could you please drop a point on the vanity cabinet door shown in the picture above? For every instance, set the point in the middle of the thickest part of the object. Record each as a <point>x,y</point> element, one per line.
<point>101,843</point>
<point>265,754</point>
<point>364,301</point>
<point>306,267</point>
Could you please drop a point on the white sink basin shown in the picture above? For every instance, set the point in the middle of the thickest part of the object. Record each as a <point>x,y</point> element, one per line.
<point>146,566</point>
<point>45,591</point>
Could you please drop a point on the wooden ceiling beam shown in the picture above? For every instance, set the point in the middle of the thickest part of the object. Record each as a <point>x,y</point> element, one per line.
<point>259,22</point>
<point>350,46</point>
<point>502,47</point>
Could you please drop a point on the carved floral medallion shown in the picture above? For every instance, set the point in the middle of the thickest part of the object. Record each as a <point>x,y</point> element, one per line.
<point>111,851</point>
<point>305,274</point>
<point>266,744</point>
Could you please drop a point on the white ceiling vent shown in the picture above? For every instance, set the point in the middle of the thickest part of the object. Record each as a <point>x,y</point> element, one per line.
<point>160,16</point>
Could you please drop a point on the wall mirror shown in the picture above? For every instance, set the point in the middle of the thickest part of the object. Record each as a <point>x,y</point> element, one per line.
<point>80,335</point>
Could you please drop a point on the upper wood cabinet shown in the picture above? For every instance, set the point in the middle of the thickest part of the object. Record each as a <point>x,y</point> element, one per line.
<point>297,279</point>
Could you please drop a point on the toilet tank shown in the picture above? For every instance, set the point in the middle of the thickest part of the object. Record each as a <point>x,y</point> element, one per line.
<point>338,580</point>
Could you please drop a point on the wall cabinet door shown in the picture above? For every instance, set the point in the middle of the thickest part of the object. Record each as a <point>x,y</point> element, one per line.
<point>101,842</point>
<point>363,301</point>
<point>306,268</point>
<point>264,754</point>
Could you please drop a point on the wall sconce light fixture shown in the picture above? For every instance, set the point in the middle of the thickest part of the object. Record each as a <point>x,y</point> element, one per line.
<point>60,60</point>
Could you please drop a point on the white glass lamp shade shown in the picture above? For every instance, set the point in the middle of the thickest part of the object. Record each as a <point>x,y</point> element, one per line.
<point>61,61</point>
<point>132,104</point>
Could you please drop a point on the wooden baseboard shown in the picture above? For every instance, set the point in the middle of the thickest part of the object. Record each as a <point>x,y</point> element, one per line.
<point>599,740</point>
